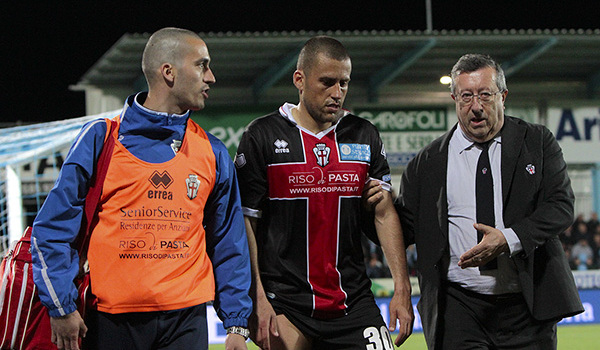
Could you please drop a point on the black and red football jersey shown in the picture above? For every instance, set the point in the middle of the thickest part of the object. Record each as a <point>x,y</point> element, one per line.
<point>306,189</point>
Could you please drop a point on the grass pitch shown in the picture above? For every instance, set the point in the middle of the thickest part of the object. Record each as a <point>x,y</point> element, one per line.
<point>572,337</point>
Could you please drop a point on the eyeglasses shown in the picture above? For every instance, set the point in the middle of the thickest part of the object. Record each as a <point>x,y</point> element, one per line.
<point>484,96</point>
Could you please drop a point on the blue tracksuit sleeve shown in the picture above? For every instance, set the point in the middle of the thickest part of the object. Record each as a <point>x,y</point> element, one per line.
<point>227,245</point>
<point>55,261</point>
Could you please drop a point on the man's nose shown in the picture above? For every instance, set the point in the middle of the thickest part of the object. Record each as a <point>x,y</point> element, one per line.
<point>338,91</point>
<point>209,77</point>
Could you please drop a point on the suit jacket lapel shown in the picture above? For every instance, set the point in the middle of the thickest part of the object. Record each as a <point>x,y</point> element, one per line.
<point>437,171</point>
<point>512,140</point>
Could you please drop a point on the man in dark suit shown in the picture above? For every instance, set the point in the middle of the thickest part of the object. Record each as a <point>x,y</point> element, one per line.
<point>508,287</point>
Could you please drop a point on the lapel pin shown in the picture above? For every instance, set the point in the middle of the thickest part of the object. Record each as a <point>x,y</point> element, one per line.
<point>530,169</point>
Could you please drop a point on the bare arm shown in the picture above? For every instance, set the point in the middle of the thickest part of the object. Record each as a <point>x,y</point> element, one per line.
<point>263,323</point>
<point>389,233</point>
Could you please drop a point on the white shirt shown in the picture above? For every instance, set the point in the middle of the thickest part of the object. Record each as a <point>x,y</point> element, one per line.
<point>463,155</point>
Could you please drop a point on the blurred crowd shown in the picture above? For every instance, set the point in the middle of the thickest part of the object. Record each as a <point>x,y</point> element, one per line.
<point>581,242</point>
<point>377,266</point>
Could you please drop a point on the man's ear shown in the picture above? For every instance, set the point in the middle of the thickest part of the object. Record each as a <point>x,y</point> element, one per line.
<point>168,72</point>
<point>298,79</point>
<point>504,94</point>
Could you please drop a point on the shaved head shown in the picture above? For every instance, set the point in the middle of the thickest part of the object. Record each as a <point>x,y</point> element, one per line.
<point>166,45</point>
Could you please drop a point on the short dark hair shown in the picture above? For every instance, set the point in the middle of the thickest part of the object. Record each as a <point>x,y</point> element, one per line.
<point>322,44</point>
<point>472,62</point>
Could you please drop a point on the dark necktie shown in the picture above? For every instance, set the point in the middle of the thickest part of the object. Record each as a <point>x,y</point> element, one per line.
<point>484,197</point>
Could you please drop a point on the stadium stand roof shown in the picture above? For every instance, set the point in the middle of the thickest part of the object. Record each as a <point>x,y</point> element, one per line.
<point>389,67</point>
<point>23,143</point>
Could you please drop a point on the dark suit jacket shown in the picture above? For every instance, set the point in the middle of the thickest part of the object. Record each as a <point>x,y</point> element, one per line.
<point>538,207</point>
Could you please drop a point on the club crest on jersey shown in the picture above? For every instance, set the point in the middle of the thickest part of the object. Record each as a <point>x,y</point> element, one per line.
<point>322,152</point>
<point>192,184</point>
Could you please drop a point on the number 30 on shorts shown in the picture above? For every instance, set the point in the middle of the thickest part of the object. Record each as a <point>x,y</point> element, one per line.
<point>379,339</point>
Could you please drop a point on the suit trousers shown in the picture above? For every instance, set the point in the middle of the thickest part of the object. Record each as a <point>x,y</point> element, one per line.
<point>477,321</point>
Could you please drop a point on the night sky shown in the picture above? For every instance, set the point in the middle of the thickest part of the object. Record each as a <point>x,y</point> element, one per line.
<point>49,45</point>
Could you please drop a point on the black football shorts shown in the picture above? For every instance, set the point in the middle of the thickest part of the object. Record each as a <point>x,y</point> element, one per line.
<point>362,328</point>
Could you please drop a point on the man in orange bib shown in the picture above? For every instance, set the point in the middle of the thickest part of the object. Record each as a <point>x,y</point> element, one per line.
<point>169,235</point>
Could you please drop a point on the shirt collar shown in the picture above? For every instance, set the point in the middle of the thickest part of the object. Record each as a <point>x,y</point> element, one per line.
<point>286,112</point>
<point>142,96</point>
<point>136,119</point>
<point>462,142</point>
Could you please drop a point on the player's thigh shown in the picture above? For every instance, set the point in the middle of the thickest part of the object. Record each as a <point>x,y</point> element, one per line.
<point>290,337</point>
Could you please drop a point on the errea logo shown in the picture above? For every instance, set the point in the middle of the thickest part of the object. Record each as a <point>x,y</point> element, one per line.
<point>163,179</point>
<point>158,180</point>
<point>281,146</point>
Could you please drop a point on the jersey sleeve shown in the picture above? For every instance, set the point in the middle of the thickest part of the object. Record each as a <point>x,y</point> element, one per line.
<point>227,245</point>
<point>252,171</point>
<point>379,168</point>
<point>55,228</point>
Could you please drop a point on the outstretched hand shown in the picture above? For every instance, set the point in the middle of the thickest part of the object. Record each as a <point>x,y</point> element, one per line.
<point>492,244</point>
